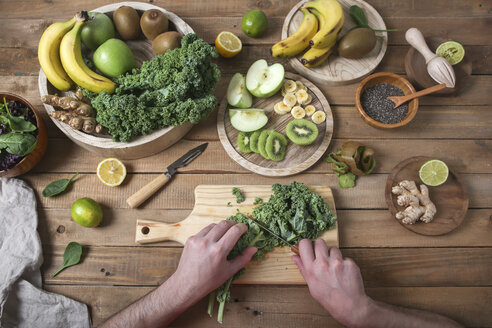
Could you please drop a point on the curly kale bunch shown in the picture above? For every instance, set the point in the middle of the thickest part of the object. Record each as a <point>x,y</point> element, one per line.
<point>169,90</point>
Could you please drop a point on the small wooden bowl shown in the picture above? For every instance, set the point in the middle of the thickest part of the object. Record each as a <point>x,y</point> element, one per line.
<point>393,79</point>
<point>28,162</point>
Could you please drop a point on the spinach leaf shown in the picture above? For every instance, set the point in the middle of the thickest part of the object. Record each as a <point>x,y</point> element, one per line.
<point>17,123</point>
<point>358,16</point>
<point>17,143</point>
<point>57,187</point>
<point>71,256</point>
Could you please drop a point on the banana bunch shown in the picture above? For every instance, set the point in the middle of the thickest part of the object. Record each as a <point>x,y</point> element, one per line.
<point>60,57</point>
<point>323,20</point>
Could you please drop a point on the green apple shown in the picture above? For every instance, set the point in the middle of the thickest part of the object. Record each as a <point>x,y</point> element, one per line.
<point>97,30</point>
<point>113,58</point>
<point>248,120</point>
<point>264,81</point>
<point>237,94</point>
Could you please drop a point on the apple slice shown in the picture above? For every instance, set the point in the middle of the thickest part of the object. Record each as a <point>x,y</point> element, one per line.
<point>264,81</point>
<point>237,94</point>
<point>248,120</point>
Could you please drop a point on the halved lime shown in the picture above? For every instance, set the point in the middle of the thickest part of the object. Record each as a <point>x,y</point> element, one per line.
<point>434,172</point>
<point>452,51</point>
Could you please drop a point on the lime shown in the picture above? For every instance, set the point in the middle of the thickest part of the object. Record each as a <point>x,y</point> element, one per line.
<point>254,23</point>
<point>87,212</point>
<point>434,172</point>
<point>452,51</point>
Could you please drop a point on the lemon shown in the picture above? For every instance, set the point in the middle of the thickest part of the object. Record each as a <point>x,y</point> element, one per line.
<point>254,23</point>
<point>434,172</point>
<point>452,51</point>
<point>111,171</point>
<point>87,212</point>
<point>227,44</point>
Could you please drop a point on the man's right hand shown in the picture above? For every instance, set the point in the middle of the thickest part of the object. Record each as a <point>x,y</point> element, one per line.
<point>335,282</point>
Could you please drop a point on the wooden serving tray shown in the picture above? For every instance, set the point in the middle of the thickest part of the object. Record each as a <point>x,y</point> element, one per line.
<point>298,158</point>
<point>337,70</point>
<point>211,206</point>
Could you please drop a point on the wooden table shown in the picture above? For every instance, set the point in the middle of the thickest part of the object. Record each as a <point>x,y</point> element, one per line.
<point>450,274</point>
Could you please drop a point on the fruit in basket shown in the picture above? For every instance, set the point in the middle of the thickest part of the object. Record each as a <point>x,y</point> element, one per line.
<point>114,58</point>
<point>74,65</point>
<point>254,23</point>
<point>301,132</point>
<point>97,30</point>
<point>264,81</point>
<point>166,41</point>
<point>248,120</point>
<point>87,212</point>
<point>299,41</point>
<point>153,22</point>
<point>357,43</point>
<point>237,94</point>
<point>276,146</point>
<point>127,23</point>
<point>331,19</point>
<point>49,54</point>
<point>227,44</point>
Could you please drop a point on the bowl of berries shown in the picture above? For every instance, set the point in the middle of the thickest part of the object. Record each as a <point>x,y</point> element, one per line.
<point>23,137</point>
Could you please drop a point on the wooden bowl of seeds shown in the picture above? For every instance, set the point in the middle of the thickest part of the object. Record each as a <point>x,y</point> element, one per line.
<point>376,110</point>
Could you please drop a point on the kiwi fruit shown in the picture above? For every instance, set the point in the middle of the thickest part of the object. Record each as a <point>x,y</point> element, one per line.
<point>301,132</point>
<point>253,141</point>
<point>244,142</point>
<point>153,22</point>
<point>262,139</point>
<point>166,41</point>
<point>127,23</point>
<point>275,146</point>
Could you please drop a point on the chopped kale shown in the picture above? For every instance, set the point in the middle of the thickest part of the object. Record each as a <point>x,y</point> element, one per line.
<point>239,195</point>
<point>257,201</point>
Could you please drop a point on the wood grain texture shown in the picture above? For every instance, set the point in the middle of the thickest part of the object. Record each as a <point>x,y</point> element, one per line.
<point>297,158</point>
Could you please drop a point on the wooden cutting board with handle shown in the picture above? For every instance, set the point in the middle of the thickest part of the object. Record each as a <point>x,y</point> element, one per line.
<point>211,207</point>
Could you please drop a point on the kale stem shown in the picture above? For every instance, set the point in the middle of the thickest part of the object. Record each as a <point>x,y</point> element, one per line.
<point>220,315</point>
<point>253,242</point>
<point>211,301</point>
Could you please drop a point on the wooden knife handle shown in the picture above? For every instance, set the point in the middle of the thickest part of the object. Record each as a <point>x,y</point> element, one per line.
<point>295,249</point>
<point>148,190</point>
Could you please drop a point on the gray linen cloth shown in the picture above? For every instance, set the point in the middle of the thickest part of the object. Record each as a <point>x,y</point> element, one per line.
<point>22,301</point>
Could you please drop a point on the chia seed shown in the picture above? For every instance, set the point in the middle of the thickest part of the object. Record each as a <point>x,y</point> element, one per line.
<point>377,107</point>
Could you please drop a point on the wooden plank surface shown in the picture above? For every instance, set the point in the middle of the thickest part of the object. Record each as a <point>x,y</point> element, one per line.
<point>449,274</point>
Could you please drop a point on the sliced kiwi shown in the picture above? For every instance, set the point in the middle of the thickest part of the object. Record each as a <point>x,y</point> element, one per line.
<point>262,139</point>
<point>244,142</point>
<point>253,141</point>
<point>275,146</point>
<point>301,132</point>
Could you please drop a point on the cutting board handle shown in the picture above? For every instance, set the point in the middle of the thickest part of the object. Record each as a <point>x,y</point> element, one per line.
<point>149,231</point>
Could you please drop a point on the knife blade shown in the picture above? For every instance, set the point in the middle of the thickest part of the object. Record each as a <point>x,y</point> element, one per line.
<point>293,248</point>
<point>153,186</point>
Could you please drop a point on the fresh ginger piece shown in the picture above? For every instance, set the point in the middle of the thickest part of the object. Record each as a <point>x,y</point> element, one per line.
<point>419,206</point>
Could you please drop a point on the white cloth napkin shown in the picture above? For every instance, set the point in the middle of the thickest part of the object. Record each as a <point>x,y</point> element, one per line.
<point>22,301</point>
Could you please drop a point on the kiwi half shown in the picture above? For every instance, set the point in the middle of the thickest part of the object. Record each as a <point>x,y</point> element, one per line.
<point>253,141</point>
<point>262,139</point>
<point>244,142</point>
<point>275,146</point>
<point>301,132</point>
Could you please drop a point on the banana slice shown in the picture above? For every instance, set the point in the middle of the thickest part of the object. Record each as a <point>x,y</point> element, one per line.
<point>290,86</point>
<point>276,110</point>
<point>308,100</point>
<point>310,109</point>
<point>301,96</point>
<point>290,99</point>
<point>301,86</point>
<point>283,108</point>
<point>319,117</point>
<point>282,91</point>
<point>298,112</point>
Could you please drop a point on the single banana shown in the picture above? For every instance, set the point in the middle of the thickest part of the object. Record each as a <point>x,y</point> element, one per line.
<point>315,57</point>
<point>49,54</point>
<point>319,117</point>
<point>73,63</point>
<point>301,96</point>
<point>331,19</point>
<point>297,42</point>
<point>290,99</point>
<point>298,112</point>
<point>310,109</point>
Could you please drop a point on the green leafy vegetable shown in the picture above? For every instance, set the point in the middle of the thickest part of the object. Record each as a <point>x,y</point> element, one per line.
<point>257,201</point>
<point>239,195</point>
<point>358,15</point>
<point>229,204</point>
<point>169,90</point>
<point>71,256</point>
<point>15,123</point>
<point>19,144</point>
<point>57,187</point>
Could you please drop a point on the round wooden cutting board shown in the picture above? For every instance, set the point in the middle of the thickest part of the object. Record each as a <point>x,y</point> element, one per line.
<point>337,70</point>
<point>297,158</point>
<point>450,198</point>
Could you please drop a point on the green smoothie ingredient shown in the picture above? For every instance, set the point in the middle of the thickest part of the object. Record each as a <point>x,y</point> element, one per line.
<point>258,200</point>
<point>57,187</point>
<point>254,23</point>
<point>71,256</point>
<point>239,195</point>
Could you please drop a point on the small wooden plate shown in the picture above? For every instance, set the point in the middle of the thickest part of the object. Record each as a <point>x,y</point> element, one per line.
<point>298,158</point>
<point>450,198</point>
<point>337,70</point>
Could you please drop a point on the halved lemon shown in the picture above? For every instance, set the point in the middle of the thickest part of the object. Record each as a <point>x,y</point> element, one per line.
<point>434,172</point>
<point>111,171</point>
<point>227,44</point>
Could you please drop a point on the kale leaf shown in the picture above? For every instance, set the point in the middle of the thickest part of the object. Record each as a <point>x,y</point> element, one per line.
<point>239,195</point>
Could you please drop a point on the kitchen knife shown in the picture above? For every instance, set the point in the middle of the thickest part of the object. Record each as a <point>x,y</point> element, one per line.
<point>293,248</point>
<point>153,186</point>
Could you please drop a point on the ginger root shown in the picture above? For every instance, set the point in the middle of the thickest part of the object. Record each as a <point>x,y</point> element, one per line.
<point>76,122</point>
<point>69,103</point>
<point>419,206</point>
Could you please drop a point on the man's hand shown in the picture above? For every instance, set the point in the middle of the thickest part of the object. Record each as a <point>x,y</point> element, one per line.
<point>336,283</point>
